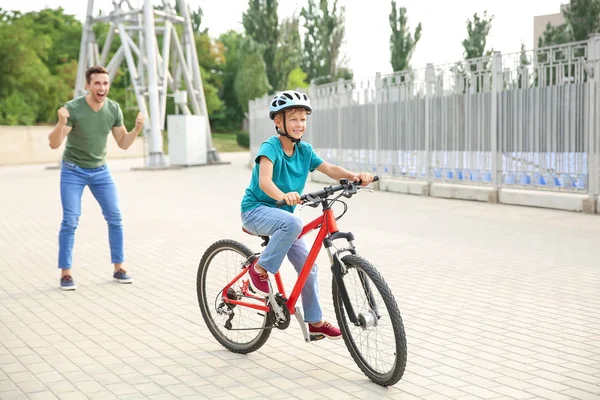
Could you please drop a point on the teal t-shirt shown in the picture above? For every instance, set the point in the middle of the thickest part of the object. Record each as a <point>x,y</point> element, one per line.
<point>289,172</point>
<point>86,143</point>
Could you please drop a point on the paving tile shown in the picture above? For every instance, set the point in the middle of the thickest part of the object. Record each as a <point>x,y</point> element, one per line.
<point>493,306</point>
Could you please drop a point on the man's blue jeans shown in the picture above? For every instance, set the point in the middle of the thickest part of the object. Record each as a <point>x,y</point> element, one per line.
<point>284,228</point>
<point>73,179</point>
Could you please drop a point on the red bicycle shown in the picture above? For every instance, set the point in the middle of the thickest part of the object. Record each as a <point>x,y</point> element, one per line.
<point>364,305</point>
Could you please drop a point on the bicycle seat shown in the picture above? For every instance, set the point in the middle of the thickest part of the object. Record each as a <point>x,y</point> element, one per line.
<point>265,238</point>
<point>248,232</point>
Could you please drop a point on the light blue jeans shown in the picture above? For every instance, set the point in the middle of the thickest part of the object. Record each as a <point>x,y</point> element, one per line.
<point>284,228</point>
<point>73,179</point>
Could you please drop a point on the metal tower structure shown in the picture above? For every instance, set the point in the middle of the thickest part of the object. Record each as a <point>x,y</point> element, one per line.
<point>155,73</point>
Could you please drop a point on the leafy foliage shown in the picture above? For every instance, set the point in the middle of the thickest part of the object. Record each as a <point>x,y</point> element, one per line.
<point>582,18</point>
<point>251,81</point>
<point>243,139</point>
<point>325,31</point>
<point>402,43</point>
<point>478,30</point>
<point>262,26</point>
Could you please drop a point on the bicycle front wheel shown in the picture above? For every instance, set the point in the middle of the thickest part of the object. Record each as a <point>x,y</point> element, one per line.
<point>238,328</point>
<point>377,342</point>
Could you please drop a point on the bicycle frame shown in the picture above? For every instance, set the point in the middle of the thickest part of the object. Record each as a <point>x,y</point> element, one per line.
<point>328,226</point>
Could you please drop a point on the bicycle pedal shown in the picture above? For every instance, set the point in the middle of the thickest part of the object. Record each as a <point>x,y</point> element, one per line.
<point>314,338</point>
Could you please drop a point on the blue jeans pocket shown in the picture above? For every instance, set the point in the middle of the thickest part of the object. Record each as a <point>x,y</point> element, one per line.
<point>69,164</point>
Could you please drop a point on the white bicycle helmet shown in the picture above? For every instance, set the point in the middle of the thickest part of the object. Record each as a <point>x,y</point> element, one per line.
<point>289,99</point>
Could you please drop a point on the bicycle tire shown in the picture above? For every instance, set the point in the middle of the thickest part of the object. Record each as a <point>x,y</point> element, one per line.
<point>206,300</point>
<point>396,371</point>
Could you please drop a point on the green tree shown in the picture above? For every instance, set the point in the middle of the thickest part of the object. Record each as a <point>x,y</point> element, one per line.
<point>478,30</point>
<point>583,18</point>
<point>555,35</point>
<point>196,17</point>
<point>325,30</point>
<point>25,82</point>
<point>287,57</point>
<point>231,115</point>
<point>250,81</point>
<point>402,43</point>
<point>210,58</point>
<point>296,79</point>
<point>262,25</point>
<point>311,46</point>
<point>62,31</point>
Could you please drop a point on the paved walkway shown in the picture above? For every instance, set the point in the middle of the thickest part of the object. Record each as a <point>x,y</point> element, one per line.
<point>499,302</point>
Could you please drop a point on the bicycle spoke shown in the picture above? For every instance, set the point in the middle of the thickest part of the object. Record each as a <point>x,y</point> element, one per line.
<point>237,327</point>
<point>378,345</point>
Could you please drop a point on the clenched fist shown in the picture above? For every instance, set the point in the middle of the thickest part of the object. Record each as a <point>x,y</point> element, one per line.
<point>291,198</point>
<point>139,120</point>
<point>63,114</point>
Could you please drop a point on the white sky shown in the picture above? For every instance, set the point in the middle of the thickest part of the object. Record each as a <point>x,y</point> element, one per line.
<point>367,24</point>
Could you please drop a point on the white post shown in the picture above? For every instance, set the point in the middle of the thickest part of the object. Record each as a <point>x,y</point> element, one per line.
<point>496,87</point>
<point>83,51</point>
<point>593,116</point>
<point>340,94</point>
<point>429,80</point>
<point>156,157</point>
<point>376,130</point>
<point>213,155</point>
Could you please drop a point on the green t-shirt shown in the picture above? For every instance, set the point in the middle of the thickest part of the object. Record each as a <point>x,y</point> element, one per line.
<point>289,172</point>
<point>86,143</point>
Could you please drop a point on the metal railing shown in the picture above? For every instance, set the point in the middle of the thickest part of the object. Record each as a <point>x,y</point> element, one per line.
<point>523,120</point>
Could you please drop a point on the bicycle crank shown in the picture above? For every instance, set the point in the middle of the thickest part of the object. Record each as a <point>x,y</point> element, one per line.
<point>280,311</point>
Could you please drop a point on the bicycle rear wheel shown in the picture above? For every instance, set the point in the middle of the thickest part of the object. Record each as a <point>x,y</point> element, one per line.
<point>378,343</point>
<point>238,328</point>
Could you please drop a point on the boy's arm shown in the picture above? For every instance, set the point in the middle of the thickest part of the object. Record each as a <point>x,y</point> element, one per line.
<point>337,173</point>
<point>265,181</point>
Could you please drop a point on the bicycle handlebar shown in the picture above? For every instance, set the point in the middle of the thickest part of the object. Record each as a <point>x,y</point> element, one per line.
<point>328,191</point>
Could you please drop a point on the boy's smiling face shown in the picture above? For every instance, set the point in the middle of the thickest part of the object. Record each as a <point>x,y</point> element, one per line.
<point>295,121</point>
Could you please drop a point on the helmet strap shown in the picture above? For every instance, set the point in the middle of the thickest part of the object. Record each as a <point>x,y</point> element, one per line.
<point>286,134</point>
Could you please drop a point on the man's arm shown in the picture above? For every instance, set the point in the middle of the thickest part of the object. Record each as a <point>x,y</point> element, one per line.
<point>61,130</point>
<point>125,139</point>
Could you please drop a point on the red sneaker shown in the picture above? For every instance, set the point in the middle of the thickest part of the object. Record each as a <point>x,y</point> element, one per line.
<point>258,284</point>
<point>327,330</point>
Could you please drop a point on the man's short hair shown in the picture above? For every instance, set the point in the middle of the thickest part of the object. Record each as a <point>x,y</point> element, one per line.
<point>96,69</point>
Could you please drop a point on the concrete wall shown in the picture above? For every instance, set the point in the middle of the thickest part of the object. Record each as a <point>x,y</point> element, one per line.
<point>532,198</point>
<point>29,145</point>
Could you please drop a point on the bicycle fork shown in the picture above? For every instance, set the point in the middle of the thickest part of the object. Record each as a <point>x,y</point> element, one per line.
<point>338,269</point>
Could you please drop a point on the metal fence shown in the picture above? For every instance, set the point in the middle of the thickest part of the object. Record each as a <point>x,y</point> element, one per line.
<point>523,120</point>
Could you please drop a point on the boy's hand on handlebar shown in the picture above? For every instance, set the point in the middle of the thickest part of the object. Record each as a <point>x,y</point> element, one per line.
<point>364,178</point>
<point>291,198</point>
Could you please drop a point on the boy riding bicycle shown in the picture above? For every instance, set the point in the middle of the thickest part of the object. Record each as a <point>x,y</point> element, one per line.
<point>280,172</point>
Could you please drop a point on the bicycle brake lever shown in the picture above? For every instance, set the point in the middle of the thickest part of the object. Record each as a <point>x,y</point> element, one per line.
<point>352,190</point>
<point>310,201</point>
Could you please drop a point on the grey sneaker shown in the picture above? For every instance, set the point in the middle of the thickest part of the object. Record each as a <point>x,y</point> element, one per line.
<point>67,283</point>
<point>122,277</point>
